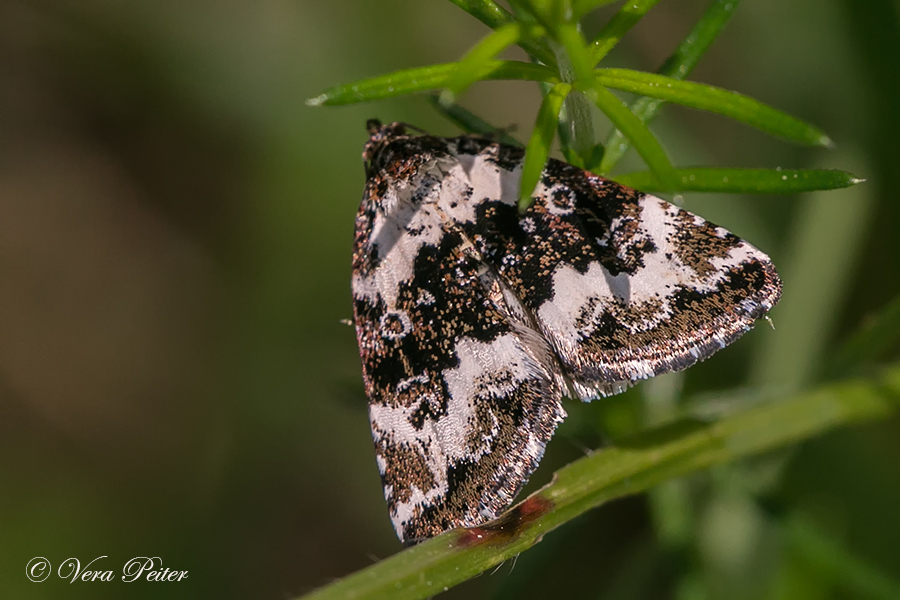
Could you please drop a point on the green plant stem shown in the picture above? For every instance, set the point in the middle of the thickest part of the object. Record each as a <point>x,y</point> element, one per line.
<point>634,466</point>
<point>576,123</point>
<point>495,16</point>
<point>472,64</point>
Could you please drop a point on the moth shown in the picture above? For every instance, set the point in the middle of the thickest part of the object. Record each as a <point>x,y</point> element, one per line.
<point>474,320</point>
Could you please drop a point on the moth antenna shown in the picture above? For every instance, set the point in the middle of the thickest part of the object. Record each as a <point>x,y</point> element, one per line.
<point>410,126</point>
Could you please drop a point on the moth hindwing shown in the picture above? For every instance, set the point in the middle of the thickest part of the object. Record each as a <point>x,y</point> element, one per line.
<point>474,321</point>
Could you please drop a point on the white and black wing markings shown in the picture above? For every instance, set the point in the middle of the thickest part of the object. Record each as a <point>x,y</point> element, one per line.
<point>473,321</point>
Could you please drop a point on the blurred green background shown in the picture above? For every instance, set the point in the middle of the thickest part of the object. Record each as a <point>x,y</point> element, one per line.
<point>175,231</point>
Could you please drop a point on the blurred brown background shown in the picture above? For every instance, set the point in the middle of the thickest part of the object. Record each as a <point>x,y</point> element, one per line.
<point>175,230</point>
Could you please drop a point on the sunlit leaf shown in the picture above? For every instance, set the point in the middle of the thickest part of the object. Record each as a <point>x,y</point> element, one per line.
<point>470,68</point>
<point>755,181</point>
<point>706,97</point>
<point>632,12</point>
<point>539,145</point>
<point>425,79</point>
<point>583,7</point>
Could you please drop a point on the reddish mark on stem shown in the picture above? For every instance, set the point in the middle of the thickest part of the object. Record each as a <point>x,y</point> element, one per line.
<point>507,525</point>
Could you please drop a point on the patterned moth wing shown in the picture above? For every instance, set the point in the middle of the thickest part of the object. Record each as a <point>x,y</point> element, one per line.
<point>474,321</point>
<point>622,285</point>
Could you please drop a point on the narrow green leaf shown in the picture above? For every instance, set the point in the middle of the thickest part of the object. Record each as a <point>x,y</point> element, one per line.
<point>618,26</point>
<point>644,142</point>
<point>633,466</point>
<point>426,79</point>
<point>582,7</point>
<point>677,66</point>
<point>755,181</point>
<point>878,334</point>
<point>472,65</point>
<point>712,99</point>
<point>539,145</point>
<point>699,39</point>
<point>472,123</point>
<point>494,16</point>
<point>579,55</point>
